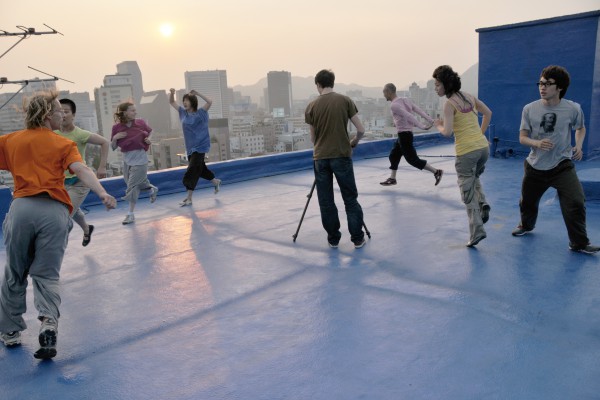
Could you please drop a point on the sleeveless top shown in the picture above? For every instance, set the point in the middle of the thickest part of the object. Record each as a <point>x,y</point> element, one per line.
<point>467,132</point>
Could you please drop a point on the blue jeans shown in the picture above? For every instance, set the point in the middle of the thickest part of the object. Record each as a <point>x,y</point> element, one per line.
<point>344,174</point>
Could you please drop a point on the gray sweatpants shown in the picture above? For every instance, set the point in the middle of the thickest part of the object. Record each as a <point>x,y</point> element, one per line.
<point>136,177</point>
<point>36,231</point>
<point>468,168</point>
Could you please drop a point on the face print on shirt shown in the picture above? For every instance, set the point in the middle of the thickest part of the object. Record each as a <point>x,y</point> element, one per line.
<point>547,125</point>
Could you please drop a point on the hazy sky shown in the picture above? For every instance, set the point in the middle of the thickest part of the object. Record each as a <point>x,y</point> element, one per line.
<point>368,42</point>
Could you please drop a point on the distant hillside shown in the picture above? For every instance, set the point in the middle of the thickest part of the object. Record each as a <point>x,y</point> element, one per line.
<point>304,87</point>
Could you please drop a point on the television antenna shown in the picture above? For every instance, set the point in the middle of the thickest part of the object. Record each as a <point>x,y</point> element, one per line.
<point>26,33</point>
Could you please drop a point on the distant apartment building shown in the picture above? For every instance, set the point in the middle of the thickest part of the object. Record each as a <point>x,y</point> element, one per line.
<point>154,108</point>
<point>169,153</point>
<point>132,69</point>
<point>212,84</point>
<point>220,147</point>
<point>116,89</point>
<point>279,91</point>
<point>12,117</point>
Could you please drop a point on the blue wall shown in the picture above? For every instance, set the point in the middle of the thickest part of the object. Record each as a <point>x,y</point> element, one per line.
<point>511,58</point>
<point>169,181</point>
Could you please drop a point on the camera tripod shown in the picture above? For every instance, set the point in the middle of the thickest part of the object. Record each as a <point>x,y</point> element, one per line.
<point>309,195</point>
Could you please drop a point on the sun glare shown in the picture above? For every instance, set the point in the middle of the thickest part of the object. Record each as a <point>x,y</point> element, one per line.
<point>166,29</point>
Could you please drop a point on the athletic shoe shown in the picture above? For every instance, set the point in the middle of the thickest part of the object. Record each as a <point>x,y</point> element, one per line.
<point>217,186</point>
<point>10,338</point>
<point>129,219</point>
<point>485,213</point>
<point>438,176</point>
<point>333,245</point>
<point>474,242</point>
<point>520,231</point>
<point>388,182</point>
<point>185,202</point>
<point>589,249</point>
<point>88,238</point>
<point>360,243</point>
<point>153,194</point>
<point>47,339</point>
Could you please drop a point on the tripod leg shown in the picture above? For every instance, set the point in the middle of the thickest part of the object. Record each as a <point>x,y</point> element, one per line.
<point>312,189</point>
<point>367,230</point>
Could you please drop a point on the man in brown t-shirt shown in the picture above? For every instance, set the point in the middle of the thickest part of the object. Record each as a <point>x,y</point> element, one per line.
<point>328,117</point>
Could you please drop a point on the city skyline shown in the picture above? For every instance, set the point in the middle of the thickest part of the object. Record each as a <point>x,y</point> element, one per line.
<point>250,39</point>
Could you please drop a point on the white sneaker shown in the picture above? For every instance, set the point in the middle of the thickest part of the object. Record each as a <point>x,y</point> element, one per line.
<point>153,194</point>
<point>129,219</point>
<point>217,185</point>
<point>10,338</point>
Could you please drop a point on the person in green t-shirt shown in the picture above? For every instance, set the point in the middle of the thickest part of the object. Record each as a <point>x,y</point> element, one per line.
<point>76,189</point>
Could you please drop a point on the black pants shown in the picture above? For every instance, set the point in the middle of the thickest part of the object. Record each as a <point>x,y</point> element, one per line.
<point>403,146</point>
<point>570,196</point>
<point>196,169</point>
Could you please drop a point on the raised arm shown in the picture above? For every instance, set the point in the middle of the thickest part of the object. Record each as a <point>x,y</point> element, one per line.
<point>172,99</point>
<point>207,100</point>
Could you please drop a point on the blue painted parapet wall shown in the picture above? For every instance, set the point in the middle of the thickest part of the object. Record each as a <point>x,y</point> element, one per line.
<point>511,58</point>
<point>169,181</point>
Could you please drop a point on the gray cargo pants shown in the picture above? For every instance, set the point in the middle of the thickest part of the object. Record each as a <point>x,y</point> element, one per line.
<point>36,230</point>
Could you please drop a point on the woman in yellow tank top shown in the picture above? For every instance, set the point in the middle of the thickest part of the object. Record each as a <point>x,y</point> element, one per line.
<point>472,148</point>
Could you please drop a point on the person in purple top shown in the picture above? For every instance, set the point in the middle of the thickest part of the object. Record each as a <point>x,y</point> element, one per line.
<point>194,122</point>
<point>132,136</point>
<point>404,120</point>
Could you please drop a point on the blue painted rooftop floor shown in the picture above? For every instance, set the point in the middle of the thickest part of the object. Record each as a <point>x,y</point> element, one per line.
<point>217,302</point>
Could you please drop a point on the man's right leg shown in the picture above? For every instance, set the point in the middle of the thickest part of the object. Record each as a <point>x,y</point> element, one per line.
<point>344,174</point>
<point>534,185</point>
<point>329,211</point>
<point>394,157</point>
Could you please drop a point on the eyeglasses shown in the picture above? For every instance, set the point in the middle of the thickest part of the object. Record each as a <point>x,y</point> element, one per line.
<point>545,84</point>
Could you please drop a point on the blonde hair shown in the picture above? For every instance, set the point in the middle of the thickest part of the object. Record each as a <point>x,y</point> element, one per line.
<point>121,109</point>
<point>38,107</point>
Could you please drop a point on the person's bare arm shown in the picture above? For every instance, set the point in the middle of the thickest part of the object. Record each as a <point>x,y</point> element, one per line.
<point>312,134</point>
<point>486,112</point>
<point>172,99</point>
<point>446,126</point>
<point>360,130</point>
<point>579,136</point>
<point>104,147</point>
<point>208,100</point>
<point>88,178</point>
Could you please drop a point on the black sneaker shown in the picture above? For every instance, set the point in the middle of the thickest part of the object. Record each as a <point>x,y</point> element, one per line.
<point>485,213</point>
<point>438,176</point>
<point>589,249</point>
<point>388,182</point>
<point>520,231</point>
<point>88,238</point>
<point>333,245</point>
<point>360,243</point>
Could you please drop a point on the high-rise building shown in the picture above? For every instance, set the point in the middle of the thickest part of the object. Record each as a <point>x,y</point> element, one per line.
<point>154,108</point>
<point>116,89</point>
<point>132,68</point>
<point>212,84</point>
<point>279,91</point>
<point>219,140</point>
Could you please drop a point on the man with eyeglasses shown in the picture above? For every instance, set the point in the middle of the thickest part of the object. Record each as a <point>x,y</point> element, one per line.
<point>549,163</point>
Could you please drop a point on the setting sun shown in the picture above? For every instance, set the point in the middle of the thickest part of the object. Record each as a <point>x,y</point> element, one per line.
<point>166,29</point>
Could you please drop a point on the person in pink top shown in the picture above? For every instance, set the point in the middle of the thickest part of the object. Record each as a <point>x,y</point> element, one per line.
<point>132,136</point>
<point>403,111</point>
